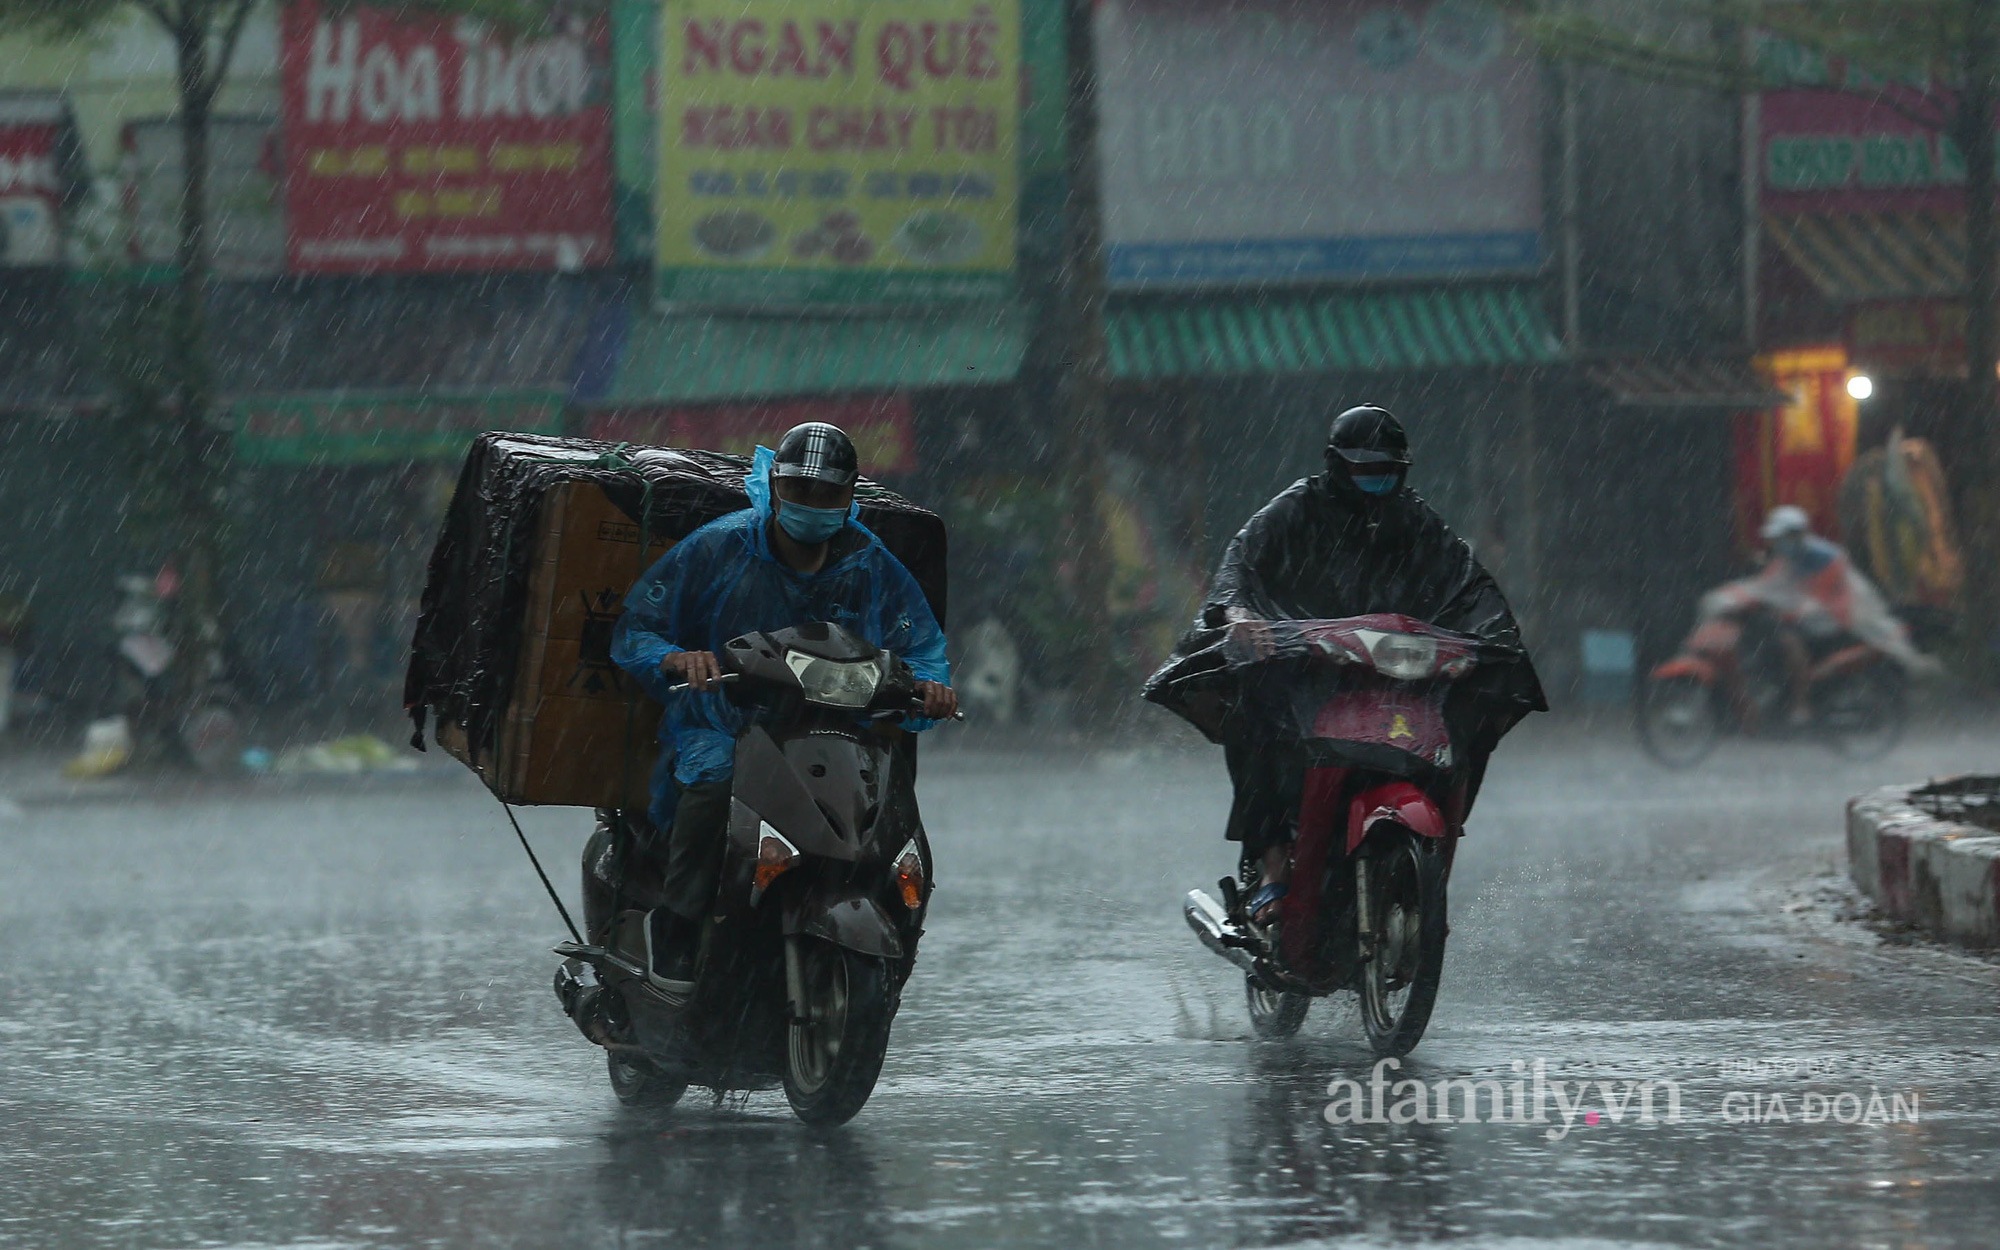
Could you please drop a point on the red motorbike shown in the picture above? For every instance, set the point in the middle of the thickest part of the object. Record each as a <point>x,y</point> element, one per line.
<point>1730,674</point>
<point>1381,812</point>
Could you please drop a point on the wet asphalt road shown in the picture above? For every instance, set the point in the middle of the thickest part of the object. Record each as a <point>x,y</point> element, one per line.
<point>322,1019</point>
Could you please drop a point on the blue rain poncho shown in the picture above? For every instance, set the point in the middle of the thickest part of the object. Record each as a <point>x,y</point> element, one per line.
<point>724,580</point>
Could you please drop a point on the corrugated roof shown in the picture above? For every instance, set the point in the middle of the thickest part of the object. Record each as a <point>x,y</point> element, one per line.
<point>686,358</point>
<point>1708,383</point>
<point>1349,332</point>
<point>1869,256</point>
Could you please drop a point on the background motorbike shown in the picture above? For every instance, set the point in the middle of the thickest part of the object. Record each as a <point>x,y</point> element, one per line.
<point>825,881</point>
<point>1729,675</point>
<point>1381,812</point>
<point>162,713</point>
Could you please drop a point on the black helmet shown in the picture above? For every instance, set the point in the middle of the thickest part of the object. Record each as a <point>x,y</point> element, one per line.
<point>818,451</point>
<point>1368,435</point>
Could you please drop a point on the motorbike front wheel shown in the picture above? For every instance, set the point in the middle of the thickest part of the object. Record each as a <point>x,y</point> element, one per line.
<point>1274,1014</point>
<point>834,1049</point>
<point>638,1083</point>
<point>1405,940</point>
<point>1678,721</point>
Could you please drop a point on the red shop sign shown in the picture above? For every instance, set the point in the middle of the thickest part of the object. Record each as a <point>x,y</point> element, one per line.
<point>880,426</point>
<point>439,144</point>
<point>37,174</point>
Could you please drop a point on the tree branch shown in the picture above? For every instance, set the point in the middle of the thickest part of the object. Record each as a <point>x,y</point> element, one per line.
<point>226,51</point>
<point>158,11</point>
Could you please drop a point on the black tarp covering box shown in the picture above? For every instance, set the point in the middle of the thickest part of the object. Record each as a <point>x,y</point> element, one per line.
<point>541,542</point>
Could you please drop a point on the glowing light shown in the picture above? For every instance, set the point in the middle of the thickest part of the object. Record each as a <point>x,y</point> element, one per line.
<point>1861,386</point>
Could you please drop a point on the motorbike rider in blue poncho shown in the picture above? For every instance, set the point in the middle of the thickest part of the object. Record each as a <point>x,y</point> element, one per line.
<point>796,554</point>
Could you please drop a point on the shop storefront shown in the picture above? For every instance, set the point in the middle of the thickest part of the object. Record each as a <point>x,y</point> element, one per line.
<point>1863,281</point>
<point>1641,472</point>
<point>48,398</point>
<point>353,404</point>
<point>1334,205</point>
<point>415,254</point>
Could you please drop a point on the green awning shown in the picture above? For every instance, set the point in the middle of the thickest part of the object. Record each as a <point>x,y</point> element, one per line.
<point>1356,332</point>
<point>686,358</point>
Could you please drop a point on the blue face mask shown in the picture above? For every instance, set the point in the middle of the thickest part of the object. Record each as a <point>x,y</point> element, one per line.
<point>811,526</point>
<point>1377,483</point>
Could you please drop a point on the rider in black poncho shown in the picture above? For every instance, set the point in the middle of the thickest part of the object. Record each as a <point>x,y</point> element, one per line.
<point>1349,542</point>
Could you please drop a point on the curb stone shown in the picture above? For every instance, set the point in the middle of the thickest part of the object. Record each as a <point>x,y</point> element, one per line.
<point>1939,875</point>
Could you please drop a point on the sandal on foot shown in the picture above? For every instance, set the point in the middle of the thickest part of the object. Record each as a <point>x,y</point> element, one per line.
<point>1263,896</point>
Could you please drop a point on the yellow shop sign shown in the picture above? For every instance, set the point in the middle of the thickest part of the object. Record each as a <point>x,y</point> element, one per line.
<point>837,151</point>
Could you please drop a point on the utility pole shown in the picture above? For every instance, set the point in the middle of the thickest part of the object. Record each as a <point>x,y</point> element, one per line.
<point>198,443</point>
<point>1079,352</point>
<point>1980,499</point>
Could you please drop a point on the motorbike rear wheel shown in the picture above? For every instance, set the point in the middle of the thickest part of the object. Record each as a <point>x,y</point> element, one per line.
<point>834,1053</point>
<point>1406,910</point>
<point>1274,1014</point>
<point>1679,723</point>
<point>212,736</point>
<point>638,1083</point>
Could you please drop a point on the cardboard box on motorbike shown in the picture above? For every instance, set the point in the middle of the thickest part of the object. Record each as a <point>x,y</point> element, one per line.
<point>542,541</point>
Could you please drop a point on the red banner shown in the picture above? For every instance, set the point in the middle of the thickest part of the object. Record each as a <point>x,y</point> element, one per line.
<point>441,144</point>
<point>880,426</point>
<point>1797,454</point>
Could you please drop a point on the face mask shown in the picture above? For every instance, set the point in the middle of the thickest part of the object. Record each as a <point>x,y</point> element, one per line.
<point>1377,483</point>
<point>811,526</point>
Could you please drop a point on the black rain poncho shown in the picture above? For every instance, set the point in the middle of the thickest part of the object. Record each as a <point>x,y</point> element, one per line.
<point>1317,552</point>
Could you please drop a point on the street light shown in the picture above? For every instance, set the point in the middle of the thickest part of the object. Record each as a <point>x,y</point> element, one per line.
<point>1861,386</point>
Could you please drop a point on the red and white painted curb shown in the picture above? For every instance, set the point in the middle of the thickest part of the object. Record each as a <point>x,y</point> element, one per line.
<point>1939,875</point>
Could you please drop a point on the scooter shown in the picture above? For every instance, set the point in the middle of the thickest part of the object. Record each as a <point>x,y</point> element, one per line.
<point>1730,674</point>
<point>1381,812</point>
<point>157,714</point>
<point>825,882</point>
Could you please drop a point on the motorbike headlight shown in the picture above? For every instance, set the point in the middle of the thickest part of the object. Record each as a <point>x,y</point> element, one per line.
<point>1406,657</point>
<point>849,683</point>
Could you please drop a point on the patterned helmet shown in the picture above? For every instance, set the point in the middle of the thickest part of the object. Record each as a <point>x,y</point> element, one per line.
<point>818,451</point>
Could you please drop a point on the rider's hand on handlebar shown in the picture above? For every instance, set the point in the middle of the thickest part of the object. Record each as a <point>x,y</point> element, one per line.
<point>697,668</point>
<point>940,701</point>
<point>1254,633</point>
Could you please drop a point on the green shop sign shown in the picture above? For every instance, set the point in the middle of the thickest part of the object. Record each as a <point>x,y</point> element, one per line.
<point>358,428</point>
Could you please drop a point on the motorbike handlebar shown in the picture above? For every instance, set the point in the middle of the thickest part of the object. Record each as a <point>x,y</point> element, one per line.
<point>916,701</point>
<point>916,708</point>
<point>688,685</point>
